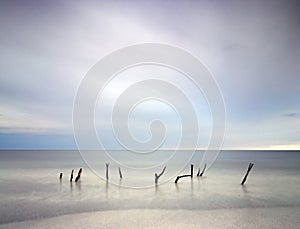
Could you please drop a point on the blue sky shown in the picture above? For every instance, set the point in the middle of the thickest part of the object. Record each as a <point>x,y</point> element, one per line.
<point>251,47</point>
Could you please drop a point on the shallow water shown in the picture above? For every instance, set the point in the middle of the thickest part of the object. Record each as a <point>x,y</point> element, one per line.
<point>30,188</point>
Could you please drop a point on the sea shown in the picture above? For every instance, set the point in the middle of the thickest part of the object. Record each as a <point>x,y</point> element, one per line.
<point>30,188</point>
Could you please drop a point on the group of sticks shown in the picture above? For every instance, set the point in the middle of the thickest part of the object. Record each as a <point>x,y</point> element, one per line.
<point>72,175</point>
<point>157,176</point>
<point>200,174</point>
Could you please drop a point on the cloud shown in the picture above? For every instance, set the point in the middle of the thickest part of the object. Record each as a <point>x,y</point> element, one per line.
<point>16,121</point>
<point>292,115</point>
<point>252,48</point>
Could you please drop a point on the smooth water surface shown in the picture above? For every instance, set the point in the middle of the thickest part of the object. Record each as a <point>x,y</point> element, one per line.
<point>30,187</point>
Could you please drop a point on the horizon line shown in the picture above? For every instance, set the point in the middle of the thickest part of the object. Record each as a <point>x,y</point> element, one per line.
<point>184,149</point>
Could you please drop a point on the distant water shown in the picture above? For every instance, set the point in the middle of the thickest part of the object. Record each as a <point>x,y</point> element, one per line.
<point>30,188</point>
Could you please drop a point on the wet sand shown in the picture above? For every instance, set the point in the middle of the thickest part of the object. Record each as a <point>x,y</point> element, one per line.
<point>145,218</point>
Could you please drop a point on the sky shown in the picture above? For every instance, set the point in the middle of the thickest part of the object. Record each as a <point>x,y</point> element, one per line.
<point>252,49</point>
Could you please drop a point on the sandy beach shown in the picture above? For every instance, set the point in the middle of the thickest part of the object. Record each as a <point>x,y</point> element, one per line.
<point>141,218</point>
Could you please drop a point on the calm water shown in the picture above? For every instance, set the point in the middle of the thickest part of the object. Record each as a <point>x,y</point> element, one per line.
<point>30,188</point>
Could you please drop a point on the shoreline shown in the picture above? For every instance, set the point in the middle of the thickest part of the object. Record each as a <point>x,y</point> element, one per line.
<point>278,217</point>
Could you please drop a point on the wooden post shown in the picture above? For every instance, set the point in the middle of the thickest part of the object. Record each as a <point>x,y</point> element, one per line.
<point>159,175</point>
<point>181,177</point>
<point>190,175</point>
<point>198,173</point>
<point>60,176</point>
<point>107,164</point>
<point>120,173</point>
<point>78,175</point>
<point>247,173</point>
<point>72,175</point>
<point>201,174</point>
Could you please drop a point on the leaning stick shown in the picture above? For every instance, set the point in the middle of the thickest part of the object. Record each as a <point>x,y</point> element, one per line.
<point>120,173</point>
<point>72,175</point>
<point>247,173</point>
<point>187,175</point>
<point>78,175</point>
<point>198,173</point>
<point>201,174</point>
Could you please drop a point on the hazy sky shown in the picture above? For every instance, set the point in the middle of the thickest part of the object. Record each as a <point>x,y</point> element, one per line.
<point>251,47</point>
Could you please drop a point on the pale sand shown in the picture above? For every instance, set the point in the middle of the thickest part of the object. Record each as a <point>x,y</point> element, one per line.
<point>146,218</point>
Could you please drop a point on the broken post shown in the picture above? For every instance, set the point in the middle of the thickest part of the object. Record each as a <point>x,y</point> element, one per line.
<point>72,175</point>
<point>107,164</point>
<point>201,174</point>
<point>78,175</point>
<point>247,173</point>
<point>198,173</point>
<point>190,175</point>
<point>120,173</point>
<point>158,176</point>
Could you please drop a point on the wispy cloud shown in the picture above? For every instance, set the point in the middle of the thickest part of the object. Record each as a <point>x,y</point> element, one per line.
<point>252,48</point>
<point>292,115</point>
<point>18,121</point>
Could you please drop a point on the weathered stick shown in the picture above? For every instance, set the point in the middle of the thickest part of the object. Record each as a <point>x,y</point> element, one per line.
<point>201,174</point>
<point>120,173</point>
<point>181,177</point>
<point>72,175</point>
<point>247,173</point>
<point>158,176</point>
<point>107,164</point>
<point>198,173</point>
<point>190,175</point>
<point>78,175</point>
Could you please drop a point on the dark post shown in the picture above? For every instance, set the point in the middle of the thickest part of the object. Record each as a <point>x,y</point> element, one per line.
<point>120,173</point>
<point>78,175</point>
<point>198,173</point>
<point>60,176</point>
<point>157,176</point>
<point>247,173</point>
<point>188,175</point>
<point>72,175</point>
<point>107,164</point>
<point>201,174</point>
